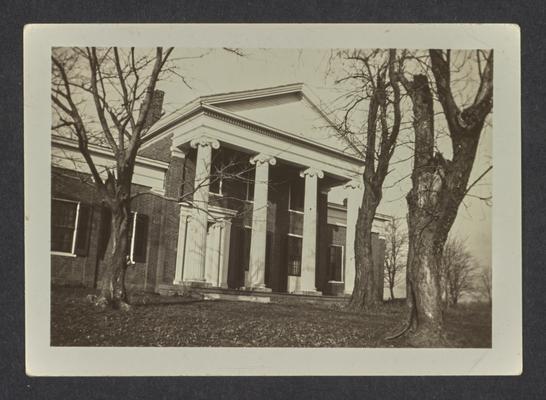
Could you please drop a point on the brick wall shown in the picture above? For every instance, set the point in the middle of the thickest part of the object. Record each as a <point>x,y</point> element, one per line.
<point>161,239</point>
<point>158,150</point>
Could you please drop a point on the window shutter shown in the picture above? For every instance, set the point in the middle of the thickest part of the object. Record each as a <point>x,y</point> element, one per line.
<point>141,238</point>
<point>104,233</point>
<point>83,229</point>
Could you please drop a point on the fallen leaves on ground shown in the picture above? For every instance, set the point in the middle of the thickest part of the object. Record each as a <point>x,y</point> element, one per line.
<point>188,321</point>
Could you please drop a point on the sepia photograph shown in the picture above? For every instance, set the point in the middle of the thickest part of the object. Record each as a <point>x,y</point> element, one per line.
<point>279,197</point>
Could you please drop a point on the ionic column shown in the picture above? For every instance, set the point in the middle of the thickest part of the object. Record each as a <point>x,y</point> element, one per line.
<point>256,270</point>
<point>309,241</point>
<point>185,215</point>
<point>194,262</point>
<point>354,200</point>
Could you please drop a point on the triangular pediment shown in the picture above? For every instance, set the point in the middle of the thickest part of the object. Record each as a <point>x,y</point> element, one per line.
<point>291,112</point>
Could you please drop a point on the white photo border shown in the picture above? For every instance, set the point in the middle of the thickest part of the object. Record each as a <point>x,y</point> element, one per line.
<point>505,356</point>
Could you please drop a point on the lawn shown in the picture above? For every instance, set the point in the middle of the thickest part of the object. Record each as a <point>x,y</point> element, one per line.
<point>183,321</point>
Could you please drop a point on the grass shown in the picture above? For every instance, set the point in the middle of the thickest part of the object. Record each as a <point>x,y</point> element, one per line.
<point>183,321</point>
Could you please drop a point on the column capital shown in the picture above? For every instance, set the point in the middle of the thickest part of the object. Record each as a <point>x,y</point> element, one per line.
<point>205,141</point>
<point>312,172</point>
<point>263,158</point>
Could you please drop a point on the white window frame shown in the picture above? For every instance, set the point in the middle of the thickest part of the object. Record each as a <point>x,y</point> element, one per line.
<point>295,235</point>
<point>75,234</point>
<point>220,192</point>
<point>290,201</point>
<point>247,195</point>
<point>342,260</point>
<point>301,261</point>
<point>133,234</point>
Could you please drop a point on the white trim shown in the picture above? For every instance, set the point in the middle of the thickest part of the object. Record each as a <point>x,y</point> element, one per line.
<point>76,223</point>
<point>248,192</point>
<point>220,186</point>
<point>255,141</point>
<point>287,134</point>
<point>295,235</point>
<point>74,234</point>
<point>133,233</point>
<point>290,201</point>
<point>93,148</point>
<point>65,200</point>
<point>212,101</point>
<point>62,253</point>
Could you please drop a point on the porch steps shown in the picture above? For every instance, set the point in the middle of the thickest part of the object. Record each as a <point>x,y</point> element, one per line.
<point>213,293</point>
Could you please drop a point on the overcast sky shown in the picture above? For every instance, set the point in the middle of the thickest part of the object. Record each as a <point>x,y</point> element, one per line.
<point>217,71</point>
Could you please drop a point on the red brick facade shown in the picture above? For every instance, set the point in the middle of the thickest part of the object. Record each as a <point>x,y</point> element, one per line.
<point>162,212</point>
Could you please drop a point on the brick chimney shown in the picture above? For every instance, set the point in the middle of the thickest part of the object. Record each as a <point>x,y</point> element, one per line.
<point>156,109</point>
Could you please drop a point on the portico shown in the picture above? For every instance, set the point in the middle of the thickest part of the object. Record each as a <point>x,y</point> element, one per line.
<point>278,238</point>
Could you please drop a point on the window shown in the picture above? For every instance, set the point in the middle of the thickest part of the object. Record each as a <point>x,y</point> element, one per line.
<point>294,255</point>
<point>335,263</point>
<point>137,235</point>
<point>249,187</point>
<point>70,226</point>
<point>216,183</point>
<point>296,194</point>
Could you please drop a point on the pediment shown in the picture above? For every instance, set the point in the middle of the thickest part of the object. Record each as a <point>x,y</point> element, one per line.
<point>290,112</point>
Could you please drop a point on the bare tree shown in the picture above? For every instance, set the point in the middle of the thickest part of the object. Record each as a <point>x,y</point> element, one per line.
<point>121,85</point>
<point>395,263</point>
<point>438,184</point>
<point>456,270</point>
<point>374,74</point>
<point>485,285</point>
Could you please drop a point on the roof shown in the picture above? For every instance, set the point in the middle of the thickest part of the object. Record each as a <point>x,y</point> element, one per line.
<point>212,103</point>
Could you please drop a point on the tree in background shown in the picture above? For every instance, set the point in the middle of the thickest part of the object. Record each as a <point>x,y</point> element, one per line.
<point>439,185</point>
<point>395,262</point>
<point>120,84</point>
<point>485,285</point>
<point>375,77</point>
<point>456,271</point>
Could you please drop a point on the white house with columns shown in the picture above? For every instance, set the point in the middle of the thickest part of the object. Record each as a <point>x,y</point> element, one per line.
<point>251,190</point>
<point>285,137</point>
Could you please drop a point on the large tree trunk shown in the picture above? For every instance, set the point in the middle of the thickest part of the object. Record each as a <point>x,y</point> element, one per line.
<point>364,295</point>
<point>424,283</point>
<point>112,279</point>
<point>425,245</point>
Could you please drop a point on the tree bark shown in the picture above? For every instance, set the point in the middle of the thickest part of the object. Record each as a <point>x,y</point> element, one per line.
<point>425,246</point>
<point>391,289</point>
<point>112,280</point>
<point>364,293</point>
<point>381,138</point>
<point>438,188</point>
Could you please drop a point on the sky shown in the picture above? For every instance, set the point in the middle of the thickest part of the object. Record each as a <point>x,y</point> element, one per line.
<point>208,71</point>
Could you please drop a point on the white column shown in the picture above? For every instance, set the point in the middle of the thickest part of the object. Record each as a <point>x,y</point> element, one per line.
<point>354,200</point>
<point>185,215</point>
<point>224,253</point>
<point>212,267</point>
<point>256,270</point>
<point>309,241</point>
<point>194,263</point>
